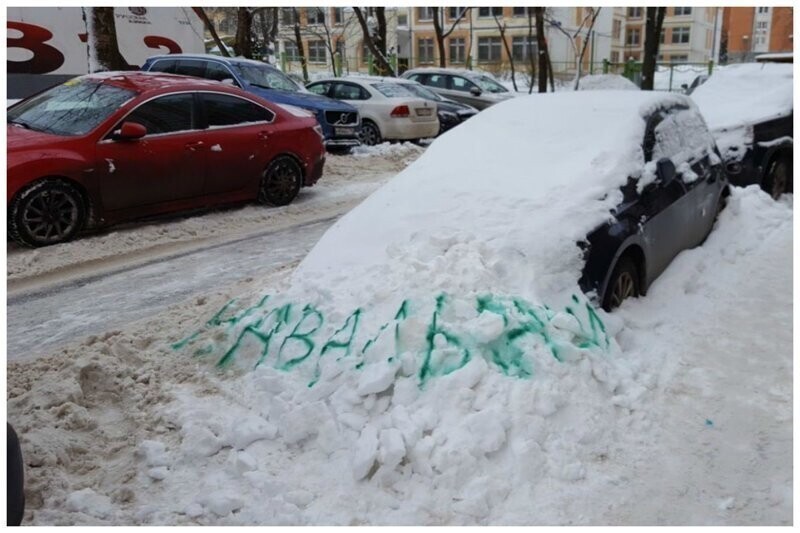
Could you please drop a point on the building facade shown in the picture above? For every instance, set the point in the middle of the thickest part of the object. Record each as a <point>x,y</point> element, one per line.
<point>749,31</point>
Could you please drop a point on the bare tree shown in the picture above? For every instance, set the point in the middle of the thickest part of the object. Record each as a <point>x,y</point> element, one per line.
<point>531,58</point>
<point>268,28</point>
<point>298,41</point>
<point>652,37</point>
<point>103,40</point>
<point>442,35</point>
<point>243,42</point>
<point>323,31</point>
<point>375,38</point>
<point>589,18</point>
<point>501,27</point>
<point>200,12</point>
<point>541,45</point>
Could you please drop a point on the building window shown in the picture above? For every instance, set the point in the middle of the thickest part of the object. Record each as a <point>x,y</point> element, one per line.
<point>661,37</point>
<point>763,9</point>
<point>424,13</point>
<point>316,51</point>
<point>633,37</point>
<point>679,59</point>
<point>680,35</point>
<point>454,12</point>
<point>315,15</point>
<point>425,50</point>
<point>634,12</point>
<point>366,53</point>
<point>288,16</point>
<point>458,50</point>
<point>402,19</point>
<point>615,57</point>
<point>292,53</point>
<point>489,49</point>
<point>680,11</point>
<point>338,15</point>
<point>762,25</point>
<point>341,49</point>
<point>490,12</point>
<point>523,49</point>
<point>519,11</point>
<point>617,29</point>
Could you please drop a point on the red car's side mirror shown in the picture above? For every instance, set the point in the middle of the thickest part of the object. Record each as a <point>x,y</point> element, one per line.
<point>130,131</point>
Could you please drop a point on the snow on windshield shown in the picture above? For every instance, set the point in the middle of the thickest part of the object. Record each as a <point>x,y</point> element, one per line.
<point>747,93</point>
<point>392,90</point>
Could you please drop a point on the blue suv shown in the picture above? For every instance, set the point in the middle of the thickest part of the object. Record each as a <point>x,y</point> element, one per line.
<point>340,121</point>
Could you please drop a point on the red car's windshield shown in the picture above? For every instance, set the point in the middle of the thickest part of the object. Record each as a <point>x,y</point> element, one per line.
<point>73,108</point>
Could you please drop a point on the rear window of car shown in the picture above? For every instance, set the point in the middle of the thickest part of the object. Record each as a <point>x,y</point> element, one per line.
<point>391,90</point>
<point>224,110</point>
<point>164,65</point>
<point>191,67</point>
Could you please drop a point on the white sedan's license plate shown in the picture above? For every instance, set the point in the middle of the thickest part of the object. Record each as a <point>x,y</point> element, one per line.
<point>424,112</point>
<point>344,131</point>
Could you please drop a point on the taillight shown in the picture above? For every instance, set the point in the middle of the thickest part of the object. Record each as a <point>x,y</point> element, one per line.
<point>401,111</point>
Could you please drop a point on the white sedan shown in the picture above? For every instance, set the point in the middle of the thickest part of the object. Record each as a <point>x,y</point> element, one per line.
<point>388,110</point>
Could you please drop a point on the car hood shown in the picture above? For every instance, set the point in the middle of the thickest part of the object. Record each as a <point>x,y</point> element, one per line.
<point>455,107</point>
<point>20,139</point>
<point>310,101</point>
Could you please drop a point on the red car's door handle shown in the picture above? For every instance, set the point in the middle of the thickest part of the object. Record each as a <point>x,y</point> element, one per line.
<point>193,146</point>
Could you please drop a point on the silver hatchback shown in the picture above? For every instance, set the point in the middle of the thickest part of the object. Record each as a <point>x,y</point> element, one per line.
<point>469,87</point>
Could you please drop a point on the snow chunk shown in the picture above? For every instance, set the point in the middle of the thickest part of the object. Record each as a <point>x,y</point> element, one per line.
<point>376,378</point>
<point>366,451</point>
<point>250,429</point>
<point>216,148</point>
<point>89,502</point>
<point>154,453</point>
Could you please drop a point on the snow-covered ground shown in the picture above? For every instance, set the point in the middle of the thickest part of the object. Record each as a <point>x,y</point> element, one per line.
<point>690,422</point>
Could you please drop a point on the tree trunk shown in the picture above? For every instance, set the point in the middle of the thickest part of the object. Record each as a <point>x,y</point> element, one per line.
<point>584,44</point>
<point>298,38</point>
<point>437,28</point>
<point>243,44</point>
<point>200,12</point>
<point>541,44</point>
<point>384,68</point>
<point>502,29</point>
<point>531,58</point>
<point>652,37</point>
<point>104,34</point>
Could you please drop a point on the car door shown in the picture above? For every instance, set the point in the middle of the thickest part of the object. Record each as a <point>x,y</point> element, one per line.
<point>439,83</point>
<point>165,165</point>
<point>321,88</point>
<point>353,94</point>
<point>460,88</point>
<point>664,204</point>
<point>237,142</point>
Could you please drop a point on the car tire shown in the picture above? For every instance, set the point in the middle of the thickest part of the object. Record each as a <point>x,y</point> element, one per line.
<point>281,182</point>
<point>623,284</point>
<point>779,177</point>
<point>369,134</point>
<point>47,212</point>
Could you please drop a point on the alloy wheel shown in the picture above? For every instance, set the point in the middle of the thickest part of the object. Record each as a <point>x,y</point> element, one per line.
<point>51,216</point>
<point>624,287</point>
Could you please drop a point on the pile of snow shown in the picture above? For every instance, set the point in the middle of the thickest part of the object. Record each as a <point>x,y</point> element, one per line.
<point>598,82</point>
<point>387,149</point>
<point>673,79</point>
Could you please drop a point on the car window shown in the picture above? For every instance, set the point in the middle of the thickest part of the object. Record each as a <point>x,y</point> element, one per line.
<point>319,88</point>
<point>72,108</point>
<point>164,65</point>
<point>218,72</point>
<point>437,80</point>
<point>462,84</point>
<point>415,77</point>
<point>682,136</point>
<point>225,110</point>
<point>267,77</point>
<point>191,67</point>
<point>167,114</point>
<point>488,84</point>
<point>346,91</point>
<point>391,90</point>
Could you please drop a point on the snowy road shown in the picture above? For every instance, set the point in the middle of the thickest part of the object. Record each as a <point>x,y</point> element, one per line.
<point>41,320</point>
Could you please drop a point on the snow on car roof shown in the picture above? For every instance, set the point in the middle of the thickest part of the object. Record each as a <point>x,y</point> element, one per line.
<point>745,94</point>
<point>518,185</point>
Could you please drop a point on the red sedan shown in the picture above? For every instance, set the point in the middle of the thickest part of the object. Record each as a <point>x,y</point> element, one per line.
<point>116,146</point>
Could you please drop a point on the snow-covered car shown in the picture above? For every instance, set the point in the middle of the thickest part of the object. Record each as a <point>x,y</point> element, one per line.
<point>110,147</point>
<point>450,112</point>
<point>506,204</point>
<point>389,111</point>
<point>472,88</point>
<point>749,109</point>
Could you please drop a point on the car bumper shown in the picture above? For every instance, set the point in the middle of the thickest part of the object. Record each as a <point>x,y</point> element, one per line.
<point>314,171</point>
<point>401,129</point>
<point>342,143</point>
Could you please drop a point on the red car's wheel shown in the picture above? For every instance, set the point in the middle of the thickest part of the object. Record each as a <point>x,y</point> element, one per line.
<point>47,212</point>
<point>281,182</point>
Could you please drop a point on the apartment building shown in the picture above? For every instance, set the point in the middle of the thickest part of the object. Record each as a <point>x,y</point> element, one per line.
<point>689,34</point>
<point>749,31</point>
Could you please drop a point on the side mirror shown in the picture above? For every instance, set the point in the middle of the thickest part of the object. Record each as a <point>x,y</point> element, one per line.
<point>130,131</point>
<point>684,86</point>
<point>474,91</point>
<point>665,170</point>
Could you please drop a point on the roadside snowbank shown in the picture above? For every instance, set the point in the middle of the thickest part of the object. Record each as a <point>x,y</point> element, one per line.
<point>126,428</point>
<point>598,82</point>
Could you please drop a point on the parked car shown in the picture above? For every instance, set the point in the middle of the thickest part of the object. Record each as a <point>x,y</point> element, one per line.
<point>340,121</point>
<point>749,108</point>
<point>472,88</point>
<point>389,111</point>
<point>116,146</point>
<point>450,112</point>
<point>552,202</point>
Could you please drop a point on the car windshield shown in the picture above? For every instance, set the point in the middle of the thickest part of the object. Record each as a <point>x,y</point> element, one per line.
<point>268,78</point>
<point>488,84</point>
<point>423,92</point>
<point>391,90</point>
<point>72,108</point>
